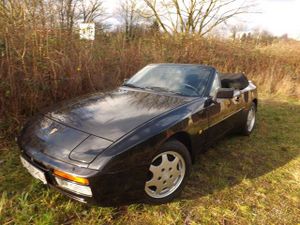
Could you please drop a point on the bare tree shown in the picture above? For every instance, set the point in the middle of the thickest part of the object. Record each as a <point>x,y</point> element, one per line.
<point>67,13</point>
<point>236,30</point>
<point>193,16</point>
<point>129,15</point>
<point>91,10</point>
<point>66,10</point>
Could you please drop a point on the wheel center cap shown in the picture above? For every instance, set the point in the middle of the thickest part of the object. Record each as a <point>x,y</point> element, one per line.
<point>165,176</point>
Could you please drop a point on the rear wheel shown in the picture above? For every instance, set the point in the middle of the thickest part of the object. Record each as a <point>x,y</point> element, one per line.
<point>249,124</point>
<point>168,172</point>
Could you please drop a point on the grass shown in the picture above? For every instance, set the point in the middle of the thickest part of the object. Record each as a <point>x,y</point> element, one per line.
<point>240,180</point>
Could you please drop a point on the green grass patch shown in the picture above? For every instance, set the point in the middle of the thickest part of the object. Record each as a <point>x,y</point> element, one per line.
<point>240,180</point>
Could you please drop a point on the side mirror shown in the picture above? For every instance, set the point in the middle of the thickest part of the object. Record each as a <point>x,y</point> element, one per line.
<point>125,80</point>
<point>225,93</point>
<point>209,101</point>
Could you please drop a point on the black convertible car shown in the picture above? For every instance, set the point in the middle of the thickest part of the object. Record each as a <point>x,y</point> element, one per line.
<point>138,142</point>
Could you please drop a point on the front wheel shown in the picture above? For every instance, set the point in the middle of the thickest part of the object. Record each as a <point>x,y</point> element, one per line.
<point>168,172</point>
<point>249,124</point>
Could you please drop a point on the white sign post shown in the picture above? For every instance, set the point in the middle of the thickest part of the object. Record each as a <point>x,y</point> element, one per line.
<point>87,31</point>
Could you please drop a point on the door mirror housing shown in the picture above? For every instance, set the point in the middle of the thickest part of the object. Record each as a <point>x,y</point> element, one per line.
<point>210,100</point>
<point>226,93</point>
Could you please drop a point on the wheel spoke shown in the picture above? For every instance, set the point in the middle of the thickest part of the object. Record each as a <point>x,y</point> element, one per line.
<point>159,189</point>
<point>175,162</point>
<point>154,169</point>
<point>165,160</point>
<point>176,173</point>
<point>152,182</point>
<point>170,183</point>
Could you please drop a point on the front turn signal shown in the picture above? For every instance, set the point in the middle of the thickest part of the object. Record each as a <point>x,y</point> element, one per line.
<point>70,177</point>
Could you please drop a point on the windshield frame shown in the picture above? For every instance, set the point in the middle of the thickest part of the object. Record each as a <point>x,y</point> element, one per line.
<point>204,93</point>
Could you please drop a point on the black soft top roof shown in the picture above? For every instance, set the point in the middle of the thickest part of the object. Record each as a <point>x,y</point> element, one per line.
<point>234,80</point>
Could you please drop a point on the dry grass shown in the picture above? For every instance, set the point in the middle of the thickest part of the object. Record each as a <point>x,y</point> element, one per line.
<point>39,68</point>
<point>41,63</point>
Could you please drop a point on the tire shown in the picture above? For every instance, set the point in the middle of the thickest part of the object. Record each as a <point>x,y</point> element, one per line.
<point>168,173</point>
<point>250,120</point>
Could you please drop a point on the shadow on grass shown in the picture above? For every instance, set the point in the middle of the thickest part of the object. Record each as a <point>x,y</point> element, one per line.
<point>273,144</point>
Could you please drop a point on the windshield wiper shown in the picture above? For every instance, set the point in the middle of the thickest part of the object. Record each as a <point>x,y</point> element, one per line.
<point>132,86</point>
<point>155,88</point>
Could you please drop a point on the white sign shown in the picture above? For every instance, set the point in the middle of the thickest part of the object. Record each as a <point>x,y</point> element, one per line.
<point>87,31</point>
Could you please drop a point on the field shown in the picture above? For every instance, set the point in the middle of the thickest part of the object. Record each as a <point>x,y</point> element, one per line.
<point>240,180</point>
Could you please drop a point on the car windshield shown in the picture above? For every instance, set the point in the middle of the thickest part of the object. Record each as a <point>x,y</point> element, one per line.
<point>188,80</point>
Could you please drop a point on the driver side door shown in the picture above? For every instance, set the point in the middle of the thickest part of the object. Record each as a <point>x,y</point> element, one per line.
<point>220,113</point>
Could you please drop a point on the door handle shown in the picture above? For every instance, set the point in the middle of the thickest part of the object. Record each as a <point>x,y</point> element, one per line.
<point>237,96</point>
<point>236,99</point>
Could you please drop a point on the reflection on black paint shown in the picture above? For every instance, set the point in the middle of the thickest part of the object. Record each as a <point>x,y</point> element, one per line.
<point>112,115</point>
<point>59,144</point>
<point>89,149</point>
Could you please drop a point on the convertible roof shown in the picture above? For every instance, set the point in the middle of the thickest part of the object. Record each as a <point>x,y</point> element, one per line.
<point>234,80</point>
<point>182,64</point>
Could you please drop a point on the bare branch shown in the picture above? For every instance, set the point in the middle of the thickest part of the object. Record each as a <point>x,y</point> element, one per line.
<point>194,16</point>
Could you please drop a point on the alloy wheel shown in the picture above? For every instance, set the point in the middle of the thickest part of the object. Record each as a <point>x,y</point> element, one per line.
<point>251,119</point>
<point>166,173</point>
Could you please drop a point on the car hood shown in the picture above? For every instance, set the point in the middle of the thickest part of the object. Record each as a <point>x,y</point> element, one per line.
<point>78,130</point>
<point>114,114</point>
<point>43,135</point>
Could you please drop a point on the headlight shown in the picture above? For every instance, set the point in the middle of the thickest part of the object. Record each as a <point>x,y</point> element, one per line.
<point>71,186</point>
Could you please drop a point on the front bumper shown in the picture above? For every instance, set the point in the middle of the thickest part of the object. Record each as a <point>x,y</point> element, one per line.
<point>107,189</point>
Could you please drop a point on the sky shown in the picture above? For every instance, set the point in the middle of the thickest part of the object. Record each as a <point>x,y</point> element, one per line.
<point>276,16</point>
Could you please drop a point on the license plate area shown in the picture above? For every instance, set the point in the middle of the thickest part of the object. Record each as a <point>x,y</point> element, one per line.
<point>35,172</point>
